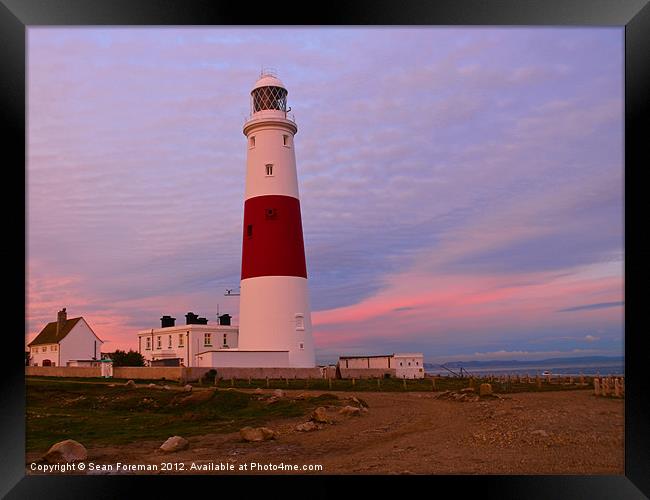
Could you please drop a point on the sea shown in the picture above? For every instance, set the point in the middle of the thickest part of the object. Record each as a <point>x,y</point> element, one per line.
<point>603,370</point>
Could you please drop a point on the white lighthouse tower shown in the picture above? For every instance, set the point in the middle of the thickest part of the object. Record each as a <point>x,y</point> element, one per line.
<point>274,313</point>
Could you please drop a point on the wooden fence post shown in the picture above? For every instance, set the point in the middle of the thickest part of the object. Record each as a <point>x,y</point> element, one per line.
<point>267,381</point>
<point>433,384</point>
<point>596,387</point>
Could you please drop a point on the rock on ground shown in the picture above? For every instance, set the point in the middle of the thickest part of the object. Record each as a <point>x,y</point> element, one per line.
<point>351,411</point>
<point>279,393</point>
<point>66,451</point>
<point>187,388</point>
<point>307,427</point>
<point>174,443</point>
<point>320,415</point>
<point>485,390</point>
<point>130,383</point>
<point>257,434</point>
<point>258,391</point>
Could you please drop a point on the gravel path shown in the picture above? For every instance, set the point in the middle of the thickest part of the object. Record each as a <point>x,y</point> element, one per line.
<point>570,432</point>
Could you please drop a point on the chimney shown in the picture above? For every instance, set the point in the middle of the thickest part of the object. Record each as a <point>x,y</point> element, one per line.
<point>167,321</point>
<point>61,318</point>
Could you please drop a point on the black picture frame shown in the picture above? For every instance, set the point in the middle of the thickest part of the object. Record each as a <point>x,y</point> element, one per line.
<point>634,15</point>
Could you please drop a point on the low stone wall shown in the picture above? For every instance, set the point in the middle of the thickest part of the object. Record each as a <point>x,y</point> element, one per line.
<point>180,373</point>
<point>272,373</point>
<point>148,372</point>
<point>367,372</point>
<point>63,371</point>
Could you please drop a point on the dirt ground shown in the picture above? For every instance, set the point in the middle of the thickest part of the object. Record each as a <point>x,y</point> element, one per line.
<point>569,432</point>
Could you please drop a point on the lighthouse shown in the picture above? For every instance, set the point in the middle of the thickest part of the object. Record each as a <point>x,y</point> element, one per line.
<point>274,312</point>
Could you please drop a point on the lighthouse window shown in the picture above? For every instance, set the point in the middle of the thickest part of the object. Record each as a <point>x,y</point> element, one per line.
<point>300,321</point>
<point>169,343</point>
<point>269,169</point>
<point>285,140</point>
<point>251,143</point>
<point>249,230</point>
<point>270,213</point>
<point>302,346</point>
<point>225,338</point>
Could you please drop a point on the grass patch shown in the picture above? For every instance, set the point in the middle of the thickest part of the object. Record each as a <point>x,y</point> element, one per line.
<point>95,414</point>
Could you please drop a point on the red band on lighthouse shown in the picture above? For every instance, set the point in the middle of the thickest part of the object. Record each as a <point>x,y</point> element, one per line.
<point>273,243</point>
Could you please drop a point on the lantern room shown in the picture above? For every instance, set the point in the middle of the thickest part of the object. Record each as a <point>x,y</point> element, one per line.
<point>269,93</point>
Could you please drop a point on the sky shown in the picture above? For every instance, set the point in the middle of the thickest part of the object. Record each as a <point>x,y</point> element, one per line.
<point>461,188</point>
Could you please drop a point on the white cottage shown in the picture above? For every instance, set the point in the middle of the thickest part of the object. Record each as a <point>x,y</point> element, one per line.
<point>63,342</point>
<point>188,345</point>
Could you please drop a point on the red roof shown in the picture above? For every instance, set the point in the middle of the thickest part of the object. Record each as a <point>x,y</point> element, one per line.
<point>48,334</point>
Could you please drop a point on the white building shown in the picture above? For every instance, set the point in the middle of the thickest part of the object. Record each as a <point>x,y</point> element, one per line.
<point>381,361</point>
<point>63,342</point>
<point>406,365</point>
<point>409,365</point>
<point>185,342</point>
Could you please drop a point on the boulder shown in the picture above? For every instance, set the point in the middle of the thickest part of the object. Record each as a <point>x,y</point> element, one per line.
<point>272,399</point>
<point>258,391</point>
<point>257,434</point>
<point>130,384</point>
<point>187,388</point>
<point>307,427</point>
<point>66,451</point>
<point>152,386</point>
<point>301,396</point>
<point>359,402</point>
<point>320,415</point>
<point>350,411</point>
<point>174,443</point>
<point>165,387</point>
<point>278,393</point>
<point>485,390</point>
<point>468,389</point>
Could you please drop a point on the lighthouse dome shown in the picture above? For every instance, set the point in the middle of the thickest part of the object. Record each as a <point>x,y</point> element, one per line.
<point>268,80</point>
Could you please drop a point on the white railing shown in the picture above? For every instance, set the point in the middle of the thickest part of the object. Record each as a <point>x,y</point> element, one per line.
<point>271,113</point>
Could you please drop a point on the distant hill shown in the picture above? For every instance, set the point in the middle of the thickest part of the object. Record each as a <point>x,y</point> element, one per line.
<point>583,360</point>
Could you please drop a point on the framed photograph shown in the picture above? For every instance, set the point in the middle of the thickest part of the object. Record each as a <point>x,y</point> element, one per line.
<point>390,246</point>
